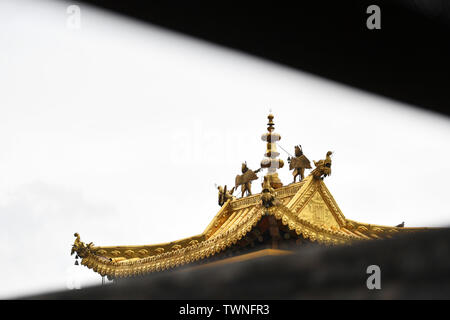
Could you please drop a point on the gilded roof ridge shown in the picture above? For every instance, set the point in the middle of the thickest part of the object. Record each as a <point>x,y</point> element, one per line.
<point>197,251</point>
<point>214,245</point>
<point>209,247</point>
<point>255,198</point>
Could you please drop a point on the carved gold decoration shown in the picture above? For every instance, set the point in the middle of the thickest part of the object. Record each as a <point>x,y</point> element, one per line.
<point>143,252</point>
<point>323,167</point>
<point>115,253</point>
<point>193,242</point>
<point>237,223</point>
<point>80,247</point>
<point>271,161</point>
<point>268,194</point>
<point>245,179</point>
<point>299,163</point>
<point>129,253</point>
<point>101,252</point>
<point>318,212</point>
<point>306,207</point>
<point>225,195</point>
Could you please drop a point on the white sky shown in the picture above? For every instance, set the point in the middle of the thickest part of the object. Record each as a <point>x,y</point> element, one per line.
<point>120,130</point>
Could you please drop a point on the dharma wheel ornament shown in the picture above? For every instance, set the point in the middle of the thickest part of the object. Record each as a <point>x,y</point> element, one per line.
<point>271,162</point>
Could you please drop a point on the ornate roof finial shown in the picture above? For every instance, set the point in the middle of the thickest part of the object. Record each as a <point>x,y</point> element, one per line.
<point>270,161</point>
<point>271,123</point>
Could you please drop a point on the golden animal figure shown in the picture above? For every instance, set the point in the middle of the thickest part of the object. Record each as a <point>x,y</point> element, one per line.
<point>323,167</point>
<point>299,163</point>
<point>245,179</point>
<point>267,194</point>
<point>80,247</point>
<point>225,195</point>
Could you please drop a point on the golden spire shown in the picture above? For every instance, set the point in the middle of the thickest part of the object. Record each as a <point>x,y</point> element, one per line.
<point>270,162</point>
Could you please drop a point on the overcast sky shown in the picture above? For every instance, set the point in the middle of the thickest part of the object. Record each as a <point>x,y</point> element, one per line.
<point>119,131</point>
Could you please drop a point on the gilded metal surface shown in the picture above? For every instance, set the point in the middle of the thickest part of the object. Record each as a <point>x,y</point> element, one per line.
<point>80,247</point>
<point>299,163</point>
<point>245,179</point>
<point>306,207</point>
<point>323,167</point>
<point>234,220</point>
<point>268,194</point>
<point>247,176</point>
<point>318,212</point>
<point>271,161</point>
<point>224,195</point>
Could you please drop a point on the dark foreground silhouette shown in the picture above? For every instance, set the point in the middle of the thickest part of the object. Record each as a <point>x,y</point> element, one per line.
<point>413,266</point>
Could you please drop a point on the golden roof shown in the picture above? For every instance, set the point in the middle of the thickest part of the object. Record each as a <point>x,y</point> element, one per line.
<point>306,207</point>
